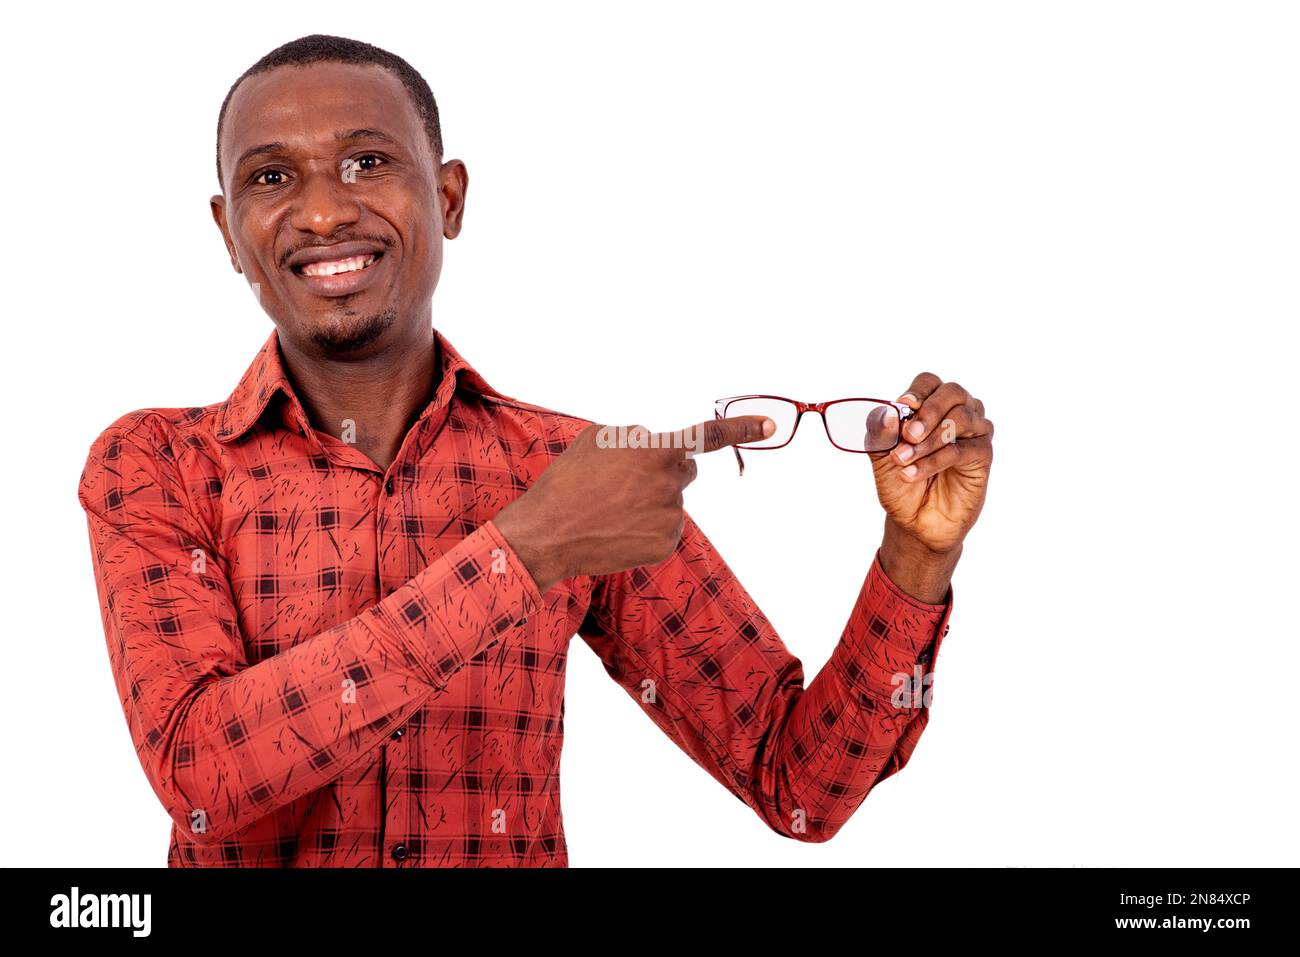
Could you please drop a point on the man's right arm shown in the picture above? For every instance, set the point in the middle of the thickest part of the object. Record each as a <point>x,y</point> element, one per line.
<point>223,742</point>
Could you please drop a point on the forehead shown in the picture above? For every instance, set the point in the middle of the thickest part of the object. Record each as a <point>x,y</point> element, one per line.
<point>304,106</point>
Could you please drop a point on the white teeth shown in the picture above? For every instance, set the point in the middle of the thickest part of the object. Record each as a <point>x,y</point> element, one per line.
<point>336,266</point>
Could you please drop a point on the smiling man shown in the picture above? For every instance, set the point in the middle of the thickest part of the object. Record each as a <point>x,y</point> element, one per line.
<point>338,604</point>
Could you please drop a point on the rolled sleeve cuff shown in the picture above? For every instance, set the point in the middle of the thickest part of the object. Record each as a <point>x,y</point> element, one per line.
<point>459,605</point>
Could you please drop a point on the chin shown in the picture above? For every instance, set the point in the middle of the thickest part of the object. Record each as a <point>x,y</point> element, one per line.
<point>351,333</point>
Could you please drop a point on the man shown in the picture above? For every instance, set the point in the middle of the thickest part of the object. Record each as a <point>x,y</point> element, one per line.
<point>338,604</point>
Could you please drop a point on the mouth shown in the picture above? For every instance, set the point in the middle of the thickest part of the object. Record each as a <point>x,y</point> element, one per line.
<point>350,270</point>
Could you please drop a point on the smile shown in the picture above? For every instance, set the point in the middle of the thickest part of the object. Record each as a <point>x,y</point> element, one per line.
<point>332,267</point>
<point>340,277</point>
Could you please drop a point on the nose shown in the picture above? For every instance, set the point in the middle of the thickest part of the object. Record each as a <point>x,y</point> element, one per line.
<point>324,203</point>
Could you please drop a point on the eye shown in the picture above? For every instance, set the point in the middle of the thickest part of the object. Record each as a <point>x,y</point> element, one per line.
<point>368,161</point>
<point>268,177</point>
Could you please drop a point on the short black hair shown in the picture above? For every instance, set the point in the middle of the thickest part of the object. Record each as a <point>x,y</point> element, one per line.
<point>319,48</point>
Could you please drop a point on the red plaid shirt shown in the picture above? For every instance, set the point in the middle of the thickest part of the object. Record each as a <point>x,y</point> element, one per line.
<point>322,663</point>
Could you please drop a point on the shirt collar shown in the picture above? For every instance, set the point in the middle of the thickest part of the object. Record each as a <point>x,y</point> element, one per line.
<point>266,377</point>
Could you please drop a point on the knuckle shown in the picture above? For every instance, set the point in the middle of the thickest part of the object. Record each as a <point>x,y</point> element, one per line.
<point>666,466</point>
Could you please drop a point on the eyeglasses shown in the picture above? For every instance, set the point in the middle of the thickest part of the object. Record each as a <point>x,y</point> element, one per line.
<point>852,425</point>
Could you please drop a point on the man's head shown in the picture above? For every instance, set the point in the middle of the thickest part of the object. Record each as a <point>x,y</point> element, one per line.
<point>335,199</point>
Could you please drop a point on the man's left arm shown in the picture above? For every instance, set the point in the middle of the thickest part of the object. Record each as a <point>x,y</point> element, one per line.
<point>687,642</point>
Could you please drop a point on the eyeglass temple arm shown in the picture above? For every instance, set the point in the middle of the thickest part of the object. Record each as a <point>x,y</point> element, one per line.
<point>717,414</point>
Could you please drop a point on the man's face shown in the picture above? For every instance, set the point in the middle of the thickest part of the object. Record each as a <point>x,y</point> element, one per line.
<point>334,204</point>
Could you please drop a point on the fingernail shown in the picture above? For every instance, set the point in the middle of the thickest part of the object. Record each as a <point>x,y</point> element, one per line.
<point>904,452</point>
<point>916,429</point>
<point>907,398</point>
<point>768,427</point>
<point>909,473</point>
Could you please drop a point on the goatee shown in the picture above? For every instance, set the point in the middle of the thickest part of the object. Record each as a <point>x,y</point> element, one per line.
<point>342,339</point>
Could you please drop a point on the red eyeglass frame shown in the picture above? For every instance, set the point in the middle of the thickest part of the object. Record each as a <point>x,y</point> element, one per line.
<point>720,412</point>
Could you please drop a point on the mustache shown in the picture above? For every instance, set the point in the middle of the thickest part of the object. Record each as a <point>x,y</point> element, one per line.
<point>385,242</point>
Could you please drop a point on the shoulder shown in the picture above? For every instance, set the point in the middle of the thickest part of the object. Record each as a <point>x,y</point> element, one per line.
<point>146,441</point>
<point>527,419</point>
<point>159,428</point>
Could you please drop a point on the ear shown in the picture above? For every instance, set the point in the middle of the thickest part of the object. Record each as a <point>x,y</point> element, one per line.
<point>453,181</point>
<point>218,203</point>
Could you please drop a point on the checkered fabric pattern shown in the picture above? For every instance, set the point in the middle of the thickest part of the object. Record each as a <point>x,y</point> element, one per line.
<point>326,664</point>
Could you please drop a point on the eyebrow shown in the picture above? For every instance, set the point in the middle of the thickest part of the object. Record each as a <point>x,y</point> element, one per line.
<point>342,136</point>
<point>257,151</point>
<point>364,133</point>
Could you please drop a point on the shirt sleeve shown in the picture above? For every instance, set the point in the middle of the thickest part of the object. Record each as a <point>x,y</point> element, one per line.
<point>685,640</point>
<point>223,742</point>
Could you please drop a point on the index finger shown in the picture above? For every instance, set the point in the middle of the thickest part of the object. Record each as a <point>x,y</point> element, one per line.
<point>920,389</point>
<point>719,433</point>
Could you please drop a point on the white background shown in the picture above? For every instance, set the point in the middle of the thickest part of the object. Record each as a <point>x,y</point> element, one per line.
<point>1086,213</point>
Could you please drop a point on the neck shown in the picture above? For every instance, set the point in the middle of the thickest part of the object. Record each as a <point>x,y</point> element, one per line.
<point>381,393</point>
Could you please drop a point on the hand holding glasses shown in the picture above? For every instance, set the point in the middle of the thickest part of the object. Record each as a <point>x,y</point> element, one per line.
<point>852,425</point>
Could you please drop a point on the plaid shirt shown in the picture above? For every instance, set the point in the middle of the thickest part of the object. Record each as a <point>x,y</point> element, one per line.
<point>323,663</point>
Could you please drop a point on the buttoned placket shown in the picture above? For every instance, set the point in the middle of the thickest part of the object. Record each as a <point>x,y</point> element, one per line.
<point>394,755</point>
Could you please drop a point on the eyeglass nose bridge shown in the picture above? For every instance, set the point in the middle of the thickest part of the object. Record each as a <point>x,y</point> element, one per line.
<point>799,409</point>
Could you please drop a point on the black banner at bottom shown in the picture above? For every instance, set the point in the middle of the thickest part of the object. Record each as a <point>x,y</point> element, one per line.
<point>645,908</point>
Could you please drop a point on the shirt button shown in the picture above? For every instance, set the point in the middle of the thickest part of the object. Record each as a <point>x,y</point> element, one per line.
<point>388,486</point>
<point>399,852</point>
<point>397,735</point>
